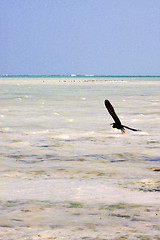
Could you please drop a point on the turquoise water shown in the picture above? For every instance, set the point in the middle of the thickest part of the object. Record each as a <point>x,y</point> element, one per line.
<point>74,76</point>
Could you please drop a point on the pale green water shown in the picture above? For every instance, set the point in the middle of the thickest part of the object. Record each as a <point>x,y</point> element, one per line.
<point>78,113</point>
<point>57,146</point>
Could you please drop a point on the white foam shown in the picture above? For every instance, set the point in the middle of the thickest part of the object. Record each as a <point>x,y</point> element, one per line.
<point>154,103</point>
<point>25,143</point>
<point>6,129</point>
<point>70,119</point>
<point>74,135</point>
<point>37,132</point>
<point>135,120</point>
<point>65,137</point>
<point>19,98</point>
<point>56,114</point>
<point>141,133</point>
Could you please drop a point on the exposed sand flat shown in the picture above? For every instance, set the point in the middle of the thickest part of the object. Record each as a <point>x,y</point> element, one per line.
<point>87,191</point>
<point>78,81</point>
<point>67,204</point>
<point>70,209</point>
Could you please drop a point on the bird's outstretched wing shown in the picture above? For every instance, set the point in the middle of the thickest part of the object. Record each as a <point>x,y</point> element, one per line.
<point>111,111</point>
<point>131,128</point>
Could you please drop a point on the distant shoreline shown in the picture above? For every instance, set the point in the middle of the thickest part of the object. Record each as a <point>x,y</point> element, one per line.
<point>79,80</point>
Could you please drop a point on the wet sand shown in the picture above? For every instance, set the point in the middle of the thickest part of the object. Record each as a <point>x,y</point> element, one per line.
<point>81,201</point>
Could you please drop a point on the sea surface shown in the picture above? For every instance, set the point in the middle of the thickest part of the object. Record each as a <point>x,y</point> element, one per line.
<point>65,172</point>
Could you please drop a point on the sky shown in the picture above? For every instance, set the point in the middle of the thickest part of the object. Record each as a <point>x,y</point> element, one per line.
<point>85,37</point>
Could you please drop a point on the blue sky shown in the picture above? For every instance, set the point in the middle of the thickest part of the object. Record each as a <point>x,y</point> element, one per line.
<point>100,37</point>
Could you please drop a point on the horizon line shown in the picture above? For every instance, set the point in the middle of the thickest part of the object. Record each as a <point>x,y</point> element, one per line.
<point>72,75</point>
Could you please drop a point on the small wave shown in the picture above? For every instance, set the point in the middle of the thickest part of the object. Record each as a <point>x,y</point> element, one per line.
<point>141,133</point>
<point>19,98</point>
<point>90,75</point>
<point>154,104</point>
<point>74,136</point>
<point>36,132</point>
<point>135,120</point>
<point>6,130</point>
<point>64,137</point>
<point>21,143</point>
<point>56,114</point>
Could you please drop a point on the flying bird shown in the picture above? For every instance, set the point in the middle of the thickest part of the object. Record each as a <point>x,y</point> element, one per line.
<point>117,124</point>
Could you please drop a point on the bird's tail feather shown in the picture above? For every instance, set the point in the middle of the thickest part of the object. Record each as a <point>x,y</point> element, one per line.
<point>131,128</point>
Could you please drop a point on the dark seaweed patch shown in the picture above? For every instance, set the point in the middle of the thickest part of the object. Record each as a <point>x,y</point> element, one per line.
<point>154,160</point>
<point>75,205</point>
<point>119,215</point>
<point>120,160</point>
<point>47,146</point>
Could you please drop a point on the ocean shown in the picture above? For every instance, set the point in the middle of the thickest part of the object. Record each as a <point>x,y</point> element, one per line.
<point>65,172</point>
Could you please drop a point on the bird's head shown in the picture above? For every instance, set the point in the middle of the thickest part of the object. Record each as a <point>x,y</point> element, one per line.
<point>123,130</point>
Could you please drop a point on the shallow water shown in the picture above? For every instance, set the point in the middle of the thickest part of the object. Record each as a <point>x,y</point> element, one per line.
<point>71,120</point>
<point>57,146</point>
